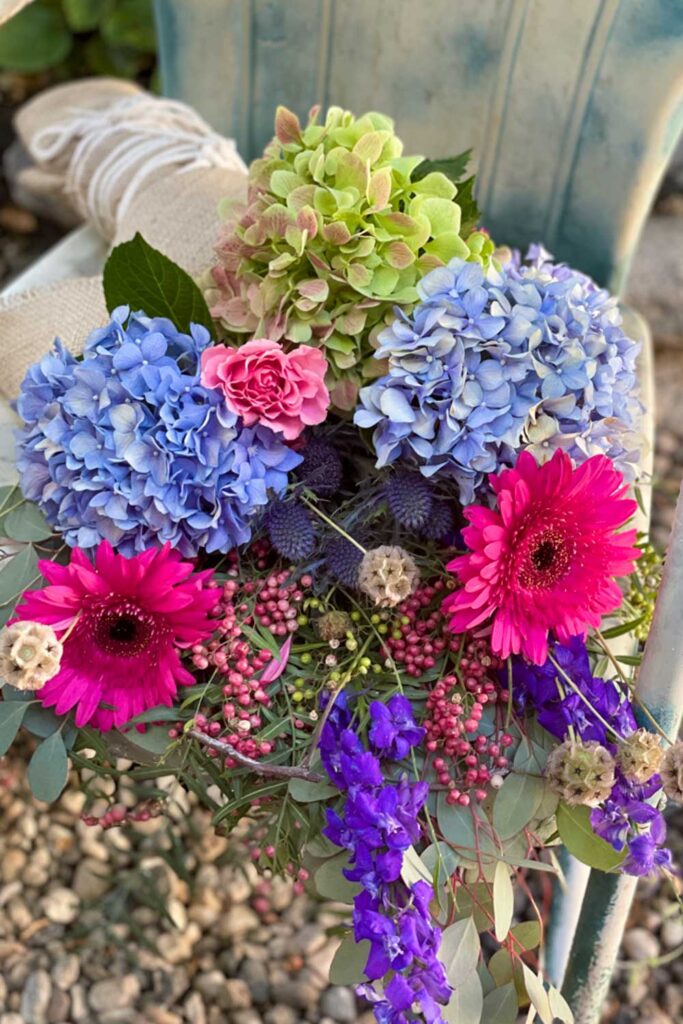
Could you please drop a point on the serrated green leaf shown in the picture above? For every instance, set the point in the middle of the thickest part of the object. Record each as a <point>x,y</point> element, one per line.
<point>576,832</point>
<point>500,1006</point>
<point>503,900</point>
<point>48,769</point>
<point>330,882</point>
<point>141,277</point>
<point>516,803</point>
<point>348,965</point>
<point>26,523</point>
<point>19,573</point>
<point>34,40</point>
<point>453,167</point>
<point>470,212</point>
<point>11,716</point>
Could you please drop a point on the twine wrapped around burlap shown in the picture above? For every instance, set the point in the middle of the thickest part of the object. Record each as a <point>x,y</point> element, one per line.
<point>126,161</point>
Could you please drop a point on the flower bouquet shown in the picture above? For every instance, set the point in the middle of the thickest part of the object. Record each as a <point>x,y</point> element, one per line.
<point>340,534</point>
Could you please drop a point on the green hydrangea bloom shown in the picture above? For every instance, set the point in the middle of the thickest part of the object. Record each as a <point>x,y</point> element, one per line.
<point>334,235</point>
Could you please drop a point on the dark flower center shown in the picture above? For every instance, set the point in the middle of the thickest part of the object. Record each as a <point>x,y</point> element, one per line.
<point>123,628</point>
<point>545,558</point>
<point>544,555</point>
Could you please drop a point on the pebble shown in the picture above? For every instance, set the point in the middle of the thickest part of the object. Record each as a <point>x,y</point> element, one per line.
<point>640,944</point>
<point>672,933</point>
<point>177,947</point>
<point>65,971</point>
<point>114,994</point>
<point>90,882</point>
<point>35,997</point>
<point>238,921</point>
<point>61,905</point>
<point>340,1004</point>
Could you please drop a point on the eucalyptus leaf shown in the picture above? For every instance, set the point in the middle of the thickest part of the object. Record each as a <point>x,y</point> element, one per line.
<point>41,721</point>
<point>500,1006</point>
<point>330,882</point>
<point>528,934</point>
<point>537,994</point>
<point>26,523</point>
<point>414,869</point>
<point>467,1001</point>
<point>576,832</point>
<point>460,948</point>
<point>17,576</point>
<point>516,803</point>
<point>48,769</point>
<point>348,965</point>
<point>305,792</point>
<point>141,277</point>
<point>153,715</point>
<point>503,900</point>
<point>457,825</point>
<point>559,1006</point>
<point>11,716</point>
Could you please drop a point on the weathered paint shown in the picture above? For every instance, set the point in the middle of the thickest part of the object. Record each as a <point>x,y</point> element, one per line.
<point>573,109</point>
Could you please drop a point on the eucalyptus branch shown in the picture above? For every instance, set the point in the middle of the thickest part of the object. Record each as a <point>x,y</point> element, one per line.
<point>265,768</point>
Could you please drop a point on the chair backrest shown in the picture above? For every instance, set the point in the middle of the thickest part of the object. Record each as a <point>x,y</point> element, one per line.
<point>573,107</point>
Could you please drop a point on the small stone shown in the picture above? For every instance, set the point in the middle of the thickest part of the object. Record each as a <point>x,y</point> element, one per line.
<point>12,864</point>
<point>90,881</point>
<point>246,1017</point>
<point>12,1018</point>
<point>672,933</point>
<point>237,994</point>
<point>280,1015</point>
<point>194,1008</point>
<point>61,905</point>
<point>255,974</point>
<point>58,1009</point>
<point>65,971</point>
<point>340,1004</point>
<point>35,997</point>
<point>310,939</point>
<point>18,220</point>
<point>114,994</point>
<point>239,921</point>
<point>297,992</point>
<point>79,1005</point>
<point>177,947</point>
<point>640,944</point>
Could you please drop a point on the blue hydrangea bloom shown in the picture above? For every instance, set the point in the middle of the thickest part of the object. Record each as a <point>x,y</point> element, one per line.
<point>126,445</point>
<point>490,362</point>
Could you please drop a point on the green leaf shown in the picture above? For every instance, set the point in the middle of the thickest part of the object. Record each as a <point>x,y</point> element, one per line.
<point>152,715</point>
<point>414,869</point>
<point>537,994</point>
<point>457,825</point>
<point>528,933</point>
<point>467,1002</point>
<point>26,523</point>
<point>503,900</point>
<point>141,277</point>
<point>19,573</point>
<point>573,824</point>
<point>516,803</point>
<point>500,1006</point>
<point>41,721</point>
<point>48,769</point>
<point>154,740</point>
<point>11,716</point>
<point>130,24</point>
<point>559,1006</point>
<point>470,212</point>
<point>348,965</point>
<point>34,40</point>
<point>305,792</point>
<point>460,948</point>
<point>83,15</point>
<point>453,167</point>
<point>330,882</point>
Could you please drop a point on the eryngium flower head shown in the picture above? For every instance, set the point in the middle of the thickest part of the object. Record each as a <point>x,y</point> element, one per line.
<point>343,560</point>
<point>127,445</point>
<point>30,655</point>
<point>335,234</point>
<point>410,500</point>
<point>333,625</point>
<point>640,755</point>
<point>671,772</point>
<point>492,361</point>
<point>290,530</point>
<point>440,522</point>
<point>321,468</point>
<point>581,773</point>
<point>388,575</point>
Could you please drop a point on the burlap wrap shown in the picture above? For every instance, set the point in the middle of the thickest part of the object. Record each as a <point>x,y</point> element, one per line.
<point>126,162</point>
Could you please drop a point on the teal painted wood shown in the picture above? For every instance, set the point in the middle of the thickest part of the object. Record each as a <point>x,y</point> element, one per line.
<point>573,109</point>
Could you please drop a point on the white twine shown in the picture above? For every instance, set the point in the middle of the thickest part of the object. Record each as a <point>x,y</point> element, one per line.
<point>141,135</point>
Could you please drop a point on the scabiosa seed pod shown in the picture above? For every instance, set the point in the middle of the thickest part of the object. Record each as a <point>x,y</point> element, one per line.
<point>290,530</point>
<point>333,625</point>
<point>343,560</point>
<point>321,469</point>
<point>581,773</point>
<point>388,575</point>
<point>671,771</point>
<point>640,755</point>
<point>440,522</point>
<point>409,497</point>
<point>30,655</point>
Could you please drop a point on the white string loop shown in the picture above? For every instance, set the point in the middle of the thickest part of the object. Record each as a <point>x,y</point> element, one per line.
<point>133,140</point>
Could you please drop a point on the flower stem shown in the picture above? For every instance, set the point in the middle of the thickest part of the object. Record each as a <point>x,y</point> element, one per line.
<point>330,522</point>
<point>265,768</point>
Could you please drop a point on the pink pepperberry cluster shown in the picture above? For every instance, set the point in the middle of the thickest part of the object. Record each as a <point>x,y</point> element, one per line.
<point>118,815</point>
<point>421,634</point>
<point>468,761</point>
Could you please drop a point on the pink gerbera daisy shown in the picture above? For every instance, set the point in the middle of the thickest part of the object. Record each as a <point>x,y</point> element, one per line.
<point>122,622</point>
<point>545,559</point>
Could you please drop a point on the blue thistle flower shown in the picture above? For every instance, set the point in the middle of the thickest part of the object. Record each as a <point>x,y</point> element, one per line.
<point>343,560</point>
<point>410,500</point>
<point>321,469</point>
<point>290,530</point>
<point>440,522</point>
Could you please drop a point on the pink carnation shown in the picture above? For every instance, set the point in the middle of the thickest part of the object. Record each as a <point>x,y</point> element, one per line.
<point>264,384</point>
<point>122,622</point>
<point>545,559</point>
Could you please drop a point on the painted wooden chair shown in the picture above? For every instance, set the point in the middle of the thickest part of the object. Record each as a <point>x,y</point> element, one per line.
<point>572,109</point>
